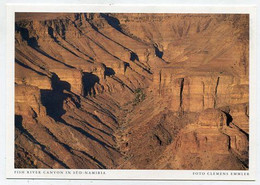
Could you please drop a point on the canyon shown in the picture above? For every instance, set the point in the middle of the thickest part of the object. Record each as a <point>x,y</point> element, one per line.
<point>132,91</point>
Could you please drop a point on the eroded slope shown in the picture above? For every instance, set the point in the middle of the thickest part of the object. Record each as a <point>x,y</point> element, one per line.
<point>132,91</point>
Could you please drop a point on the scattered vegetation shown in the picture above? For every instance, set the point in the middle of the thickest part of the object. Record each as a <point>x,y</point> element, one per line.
<point>139,96</point>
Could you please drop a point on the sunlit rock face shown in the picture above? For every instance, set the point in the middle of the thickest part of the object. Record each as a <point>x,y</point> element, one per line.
<point>131,91</point>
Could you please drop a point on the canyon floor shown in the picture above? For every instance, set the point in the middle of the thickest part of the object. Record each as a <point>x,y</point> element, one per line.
<point>131,91</point>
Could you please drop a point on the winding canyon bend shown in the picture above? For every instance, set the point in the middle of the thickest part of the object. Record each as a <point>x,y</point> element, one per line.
<point>131,91</point>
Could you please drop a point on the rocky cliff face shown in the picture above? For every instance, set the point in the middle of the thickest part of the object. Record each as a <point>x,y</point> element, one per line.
<point>131,91</point>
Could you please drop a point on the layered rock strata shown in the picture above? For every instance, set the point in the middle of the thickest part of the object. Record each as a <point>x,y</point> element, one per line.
<point>131,91</point>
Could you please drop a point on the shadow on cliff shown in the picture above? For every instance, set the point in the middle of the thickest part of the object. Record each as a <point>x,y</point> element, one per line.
<point>114,22</point>
<point>109,71</point>
<point>89,80</point>
<point>158,53</point>
<point>31,41</point>
<point>133,56</point>
<point>230,120</point>
<point>53,99</point>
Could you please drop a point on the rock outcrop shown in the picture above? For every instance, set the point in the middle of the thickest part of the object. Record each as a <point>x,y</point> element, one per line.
<point>212,143</point>
<point>200,91</point>
<point>28,101</point>
<point>131,91</point>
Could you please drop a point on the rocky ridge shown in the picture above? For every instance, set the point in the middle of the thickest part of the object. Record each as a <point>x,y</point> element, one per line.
<point>131,91</point>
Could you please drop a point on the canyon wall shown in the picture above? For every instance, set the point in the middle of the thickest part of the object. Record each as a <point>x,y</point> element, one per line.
<point>131,91</point>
